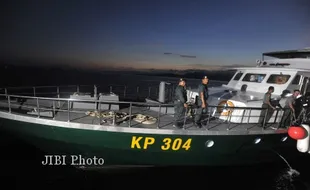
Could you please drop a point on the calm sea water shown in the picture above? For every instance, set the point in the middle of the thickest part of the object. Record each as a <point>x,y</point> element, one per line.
<point>21,164</point>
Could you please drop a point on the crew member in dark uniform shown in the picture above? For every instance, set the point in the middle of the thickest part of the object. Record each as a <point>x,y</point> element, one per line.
<point>202,98</point>
<point>267,107</point>
<point>289,110</point>
<point>180,105</point>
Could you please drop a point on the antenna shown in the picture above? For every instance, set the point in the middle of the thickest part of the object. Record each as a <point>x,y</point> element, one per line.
<point>258,62</point>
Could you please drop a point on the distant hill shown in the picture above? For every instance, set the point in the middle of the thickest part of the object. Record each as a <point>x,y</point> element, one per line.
<point>224,75</point>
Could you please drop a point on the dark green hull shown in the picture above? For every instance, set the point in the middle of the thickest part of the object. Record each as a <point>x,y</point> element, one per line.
<point>116,147</point>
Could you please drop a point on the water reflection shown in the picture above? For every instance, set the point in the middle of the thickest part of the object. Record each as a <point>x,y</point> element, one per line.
<point>289,178</point>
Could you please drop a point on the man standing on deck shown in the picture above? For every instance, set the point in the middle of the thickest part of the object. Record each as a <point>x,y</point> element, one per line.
<point>180,105</point>
<point>202,98</point>
<point>268,108</point>
<point>289,110</point>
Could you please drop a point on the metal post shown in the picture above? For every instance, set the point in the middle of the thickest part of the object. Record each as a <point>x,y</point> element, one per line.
<point>149,92</point>
<point>54,112</point>
<point>99,112</point>
<point>184,121</point>
<point>209,117</point>
<point>130,112</point>
<point>282,118</point>
<point>275,118</point>
<point>114,118</point>
<point>68,110</point>
<point>125,89</point>
<point>243,113</point>
<point>229,119</point>
<point>9,103</point>
<point>158,116</point>
<point>78,89</point>
<point>38,107</point>
<point>58,92</point>
<point>95,91</point>
<point>6,92</point>
<point>249,116</point>
<point>111,89</point>
<point>137,92</point>
<point>58,96</point>
<point>170,95</point>
<point>34,91</point>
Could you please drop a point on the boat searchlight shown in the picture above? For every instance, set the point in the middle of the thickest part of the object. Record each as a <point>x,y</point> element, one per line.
<point>260,62</point>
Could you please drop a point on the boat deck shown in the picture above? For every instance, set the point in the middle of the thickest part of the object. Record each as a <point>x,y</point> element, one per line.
<point>164,121</point>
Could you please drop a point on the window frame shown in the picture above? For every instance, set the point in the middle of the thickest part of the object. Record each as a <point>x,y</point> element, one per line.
<point>298,75</point>
<point>239,73</point>
<point>277,75</point>
<point>245,76</point>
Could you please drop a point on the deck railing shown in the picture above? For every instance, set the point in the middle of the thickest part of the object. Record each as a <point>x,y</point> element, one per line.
<point>132,93</point>
<point>237,115</point>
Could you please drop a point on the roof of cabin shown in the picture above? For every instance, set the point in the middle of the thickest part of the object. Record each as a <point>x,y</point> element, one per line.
<point>299,53</point>
<point>270,69</point>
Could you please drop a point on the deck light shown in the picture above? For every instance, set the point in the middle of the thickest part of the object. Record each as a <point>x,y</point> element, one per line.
<point>284,138</point>
<point>209,143</point>
<point>297,132</point>
<point>257,140</point>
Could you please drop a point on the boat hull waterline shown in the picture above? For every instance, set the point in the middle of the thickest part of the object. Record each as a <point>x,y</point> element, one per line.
<point>119,147</point>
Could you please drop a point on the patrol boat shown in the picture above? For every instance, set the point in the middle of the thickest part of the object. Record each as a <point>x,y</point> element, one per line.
<point>101,125</point>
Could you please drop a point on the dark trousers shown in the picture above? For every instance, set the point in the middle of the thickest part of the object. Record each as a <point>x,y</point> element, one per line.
<point>179,113</point>
<point>267,111</point>
<point>199,112</point>
<point>286,118</point>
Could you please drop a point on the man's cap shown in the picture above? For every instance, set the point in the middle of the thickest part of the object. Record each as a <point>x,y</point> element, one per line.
<point>182,79</point>
<point>204,77</point>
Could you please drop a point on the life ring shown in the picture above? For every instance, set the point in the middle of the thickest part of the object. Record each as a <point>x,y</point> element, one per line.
<point>222,107</point>
<point>144,119</point>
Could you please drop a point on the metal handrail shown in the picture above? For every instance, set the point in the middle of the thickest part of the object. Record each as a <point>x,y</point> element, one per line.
<point>133,93</point>
<point>159,104</point>
<point>131,104</point>
<point>79,100</point>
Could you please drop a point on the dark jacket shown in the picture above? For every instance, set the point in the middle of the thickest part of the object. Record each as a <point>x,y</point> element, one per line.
<point>180,94</point>
<point>204,89</point>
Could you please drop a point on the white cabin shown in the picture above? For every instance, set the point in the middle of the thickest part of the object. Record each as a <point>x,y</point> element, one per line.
<point>281,72</point>
<point>284,70</point>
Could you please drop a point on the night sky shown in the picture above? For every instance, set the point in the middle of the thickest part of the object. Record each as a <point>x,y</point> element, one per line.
<point>138,33</point>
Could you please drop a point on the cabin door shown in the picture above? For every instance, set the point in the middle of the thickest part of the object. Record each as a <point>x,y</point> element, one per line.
<point>305,86</point>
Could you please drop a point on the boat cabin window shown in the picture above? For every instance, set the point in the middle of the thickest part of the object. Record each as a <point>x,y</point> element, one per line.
<point>278,79</point>
<point>296,80</point>
<point>238,76</point>
<point>254,77</point>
